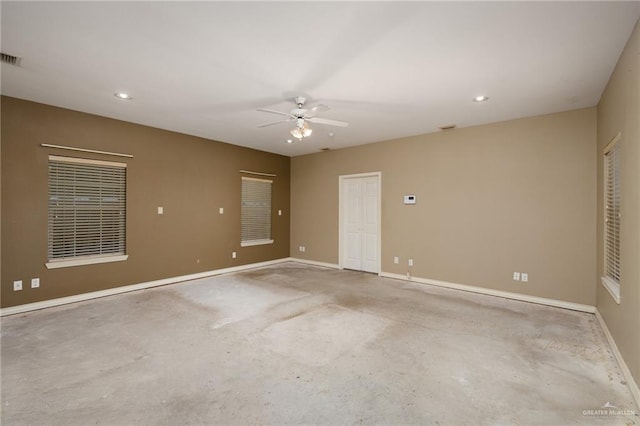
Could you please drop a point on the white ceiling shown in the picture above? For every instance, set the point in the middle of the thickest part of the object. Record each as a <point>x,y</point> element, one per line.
<point>390,69</point>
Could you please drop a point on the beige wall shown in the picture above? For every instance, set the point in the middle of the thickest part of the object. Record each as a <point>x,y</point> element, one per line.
<point>190,177</point>
<point>619,111</point>
<point>491,200</point>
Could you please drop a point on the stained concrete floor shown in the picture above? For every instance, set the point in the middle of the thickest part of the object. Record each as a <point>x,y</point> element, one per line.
<point>295,344</point>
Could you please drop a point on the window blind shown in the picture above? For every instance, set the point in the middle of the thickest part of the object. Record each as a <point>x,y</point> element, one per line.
<point>612,213</point>
<point>87,208</point>
<point>256,210</point>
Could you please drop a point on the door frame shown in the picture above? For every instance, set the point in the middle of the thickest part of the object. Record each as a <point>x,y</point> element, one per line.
<point>341,215</point>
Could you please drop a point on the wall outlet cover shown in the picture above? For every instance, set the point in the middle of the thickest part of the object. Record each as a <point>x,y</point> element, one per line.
<point>409,199</point>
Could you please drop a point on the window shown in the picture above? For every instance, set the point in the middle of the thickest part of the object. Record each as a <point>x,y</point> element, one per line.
<point>256,212</point>
<point>611,278</point>
<point>87,211</point>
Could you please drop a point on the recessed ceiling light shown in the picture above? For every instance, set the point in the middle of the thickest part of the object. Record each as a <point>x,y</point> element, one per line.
<point>480,98</point>
<point>123,96</point>
<point>289,141</point>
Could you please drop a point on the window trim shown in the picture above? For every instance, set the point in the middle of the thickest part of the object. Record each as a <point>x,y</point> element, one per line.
<point>85,260</point>
<point>88,259</point>
<point>609,283</point>
<point>612,287</point>
<point>255,243</point>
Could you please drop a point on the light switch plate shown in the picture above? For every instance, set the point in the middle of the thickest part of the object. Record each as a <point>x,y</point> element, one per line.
<point>35,282</point>
<point>221,210</point>
<point>17,285</point>
<point>160,210</point>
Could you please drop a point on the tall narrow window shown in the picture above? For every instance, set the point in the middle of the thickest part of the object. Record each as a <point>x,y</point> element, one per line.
<point>256,211</point>
<point>611,279</point>
<point>87,211</point>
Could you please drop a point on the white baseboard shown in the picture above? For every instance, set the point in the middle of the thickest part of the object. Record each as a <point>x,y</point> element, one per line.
<point>506,294</point>
<point>633,385</point>
<point>315,263</point>
<point>12,310</point>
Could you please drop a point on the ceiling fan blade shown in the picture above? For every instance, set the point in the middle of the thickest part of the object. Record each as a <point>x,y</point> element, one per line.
<point>316,109</point>
<point>328,122</point>
<point>274,112</point>
<point>274,122</point>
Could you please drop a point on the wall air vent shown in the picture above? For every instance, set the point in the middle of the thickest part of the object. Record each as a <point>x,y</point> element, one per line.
<point>325,149</point>
<point>10,59</point>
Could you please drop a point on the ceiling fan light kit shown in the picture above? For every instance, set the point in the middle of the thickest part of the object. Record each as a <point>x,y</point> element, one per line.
<point>302,118</point>
<point>301,131</point>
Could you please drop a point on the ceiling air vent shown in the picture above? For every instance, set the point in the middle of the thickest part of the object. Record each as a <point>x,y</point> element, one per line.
<point>10,59</point>
<point>448,127</point>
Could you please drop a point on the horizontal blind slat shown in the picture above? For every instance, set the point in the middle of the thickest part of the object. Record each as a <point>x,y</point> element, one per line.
<point>87,209</point>
<point>612,213</point>
<point>255,209</point>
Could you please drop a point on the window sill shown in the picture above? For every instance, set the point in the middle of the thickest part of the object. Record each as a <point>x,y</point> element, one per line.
<point>255,243</point>
<point>89,260</point>
<point>612,287</point>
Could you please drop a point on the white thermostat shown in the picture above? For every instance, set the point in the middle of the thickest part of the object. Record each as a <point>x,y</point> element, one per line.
<point>409,199</point>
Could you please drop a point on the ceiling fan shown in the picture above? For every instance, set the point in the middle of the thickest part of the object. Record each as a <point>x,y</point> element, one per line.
<point>302,117</point>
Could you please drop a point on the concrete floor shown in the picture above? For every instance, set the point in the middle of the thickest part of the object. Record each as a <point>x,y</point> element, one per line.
<point>294,344</point>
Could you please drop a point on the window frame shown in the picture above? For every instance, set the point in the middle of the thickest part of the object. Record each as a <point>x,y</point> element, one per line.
<point>259,241</point>
<point>611,159</point>
<point>63,262</point>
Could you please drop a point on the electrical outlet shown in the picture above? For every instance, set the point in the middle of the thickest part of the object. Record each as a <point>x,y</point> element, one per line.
<point>35,282</point>
<point>302,249</point>
<point>17,285</point>
<point>233,254</point>
<point>410,262</point>
<point>524,277</point>
<point>221,210</point>
<point>279,212</point>
<point>516,276</point>
<point>160,210</point>
<point>396,259</point>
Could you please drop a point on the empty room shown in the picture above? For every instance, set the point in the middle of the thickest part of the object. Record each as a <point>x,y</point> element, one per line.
<point>404,213</point>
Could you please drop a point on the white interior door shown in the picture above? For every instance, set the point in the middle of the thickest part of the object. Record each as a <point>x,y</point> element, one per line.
<point>353,224</point>
<point>361,223</point>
